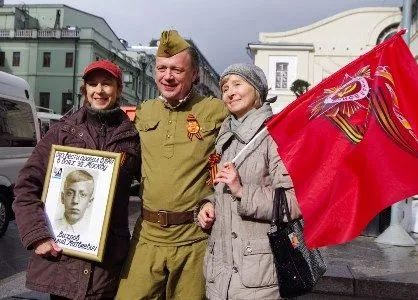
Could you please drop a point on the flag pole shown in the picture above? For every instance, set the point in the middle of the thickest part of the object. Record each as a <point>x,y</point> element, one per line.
<point>395,234</point>
<point>249,143</point>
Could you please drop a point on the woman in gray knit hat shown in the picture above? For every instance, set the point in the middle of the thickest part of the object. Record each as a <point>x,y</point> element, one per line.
<point>238,262</point>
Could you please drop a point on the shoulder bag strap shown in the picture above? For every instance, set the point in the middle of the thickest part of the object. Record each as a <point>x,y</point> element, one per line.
<point>276,211</point>
<point>280,207</point>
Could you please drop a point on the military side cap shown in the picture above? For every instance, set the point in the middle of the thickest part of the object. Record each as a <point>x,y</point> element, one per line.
<point>171,43</point>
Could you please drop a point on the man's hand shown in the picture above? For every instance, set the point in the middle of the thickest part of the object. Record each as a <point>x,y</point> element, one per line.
<point>206,215</point>
<point>47,247</point>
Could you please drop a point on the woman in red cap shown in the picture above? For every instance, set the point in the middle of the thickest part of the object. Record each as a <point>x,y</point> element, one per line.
<point>99,124</point>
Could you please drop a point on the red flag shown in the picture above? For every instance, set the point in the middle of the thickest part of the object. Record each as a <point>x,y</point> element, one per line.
<point>350,143</point>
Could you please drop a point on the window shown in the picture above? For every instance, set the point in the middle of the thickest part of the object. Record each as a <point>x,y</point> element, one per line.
<point>281,75</point>
<point>14,132</point>
<point>44,100</point>
<point>47,60</point>
<point>2,59</point>
<point>16,59</point>
<point>67,102</point>
<point>69,57</point>
<point>282,72</point>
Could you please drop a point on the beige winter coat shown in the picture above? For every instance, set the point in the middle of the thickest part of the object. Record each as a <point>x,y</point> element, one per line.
<point>238,262</point>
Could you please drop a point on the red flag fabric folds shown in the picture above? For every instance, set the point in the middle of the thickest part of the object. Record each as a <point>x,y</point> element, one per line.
<point>350,143</point>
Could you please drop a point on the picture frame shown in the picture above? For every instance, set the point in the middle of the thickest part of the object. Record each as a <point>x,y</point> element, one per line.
<point>73,198</point>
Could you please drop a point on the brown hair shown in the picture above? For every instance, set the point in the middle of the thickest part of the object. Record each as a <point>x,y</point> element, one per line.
<point>195,59</point>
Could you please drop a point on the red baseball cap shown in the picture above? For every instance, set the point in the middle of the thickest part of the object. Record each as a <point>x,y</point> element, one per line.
<point>105,65</point>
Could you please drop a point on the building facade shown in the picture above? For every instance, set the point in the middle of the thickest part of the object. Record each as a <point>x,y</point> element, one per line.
<point>208,84</point>
<point>145,55</point>
<point>314,52</point>
<point>50,45</point>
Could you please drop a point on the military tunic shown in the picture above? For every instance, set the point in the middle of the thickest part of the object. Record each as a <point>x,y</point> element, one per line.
<point>175,162</point>
<point>167,262</point>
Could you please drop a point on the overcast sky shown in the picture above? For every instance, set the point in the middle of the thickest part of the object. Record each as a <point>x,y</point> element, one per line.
<point>221,29</point>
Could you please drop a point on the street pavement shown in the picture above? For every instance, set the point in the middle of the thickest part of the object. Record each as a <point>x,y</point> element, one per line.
<point>14,259</point>
<point>361,269</point>
<point>369,270</point>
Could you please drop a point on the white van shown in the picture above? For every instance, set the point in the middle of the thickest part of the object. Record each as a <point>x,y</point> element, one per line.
<point>19,132</point>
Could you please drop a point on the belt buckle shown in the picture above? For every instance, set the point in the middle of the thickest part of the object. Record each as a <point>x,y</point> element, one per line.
<point>162,218</point>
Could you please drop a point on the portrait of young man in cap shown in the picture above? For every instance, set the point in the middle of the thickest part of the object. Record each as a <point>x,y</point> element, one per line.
<point>99,124</point>
<point>177,132</point>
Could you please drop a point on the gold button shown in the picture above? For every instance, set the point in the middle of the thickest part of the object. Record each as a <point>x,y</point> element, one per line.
<point>169,122</point>
<point>168,136</point>
<point>86,272</point>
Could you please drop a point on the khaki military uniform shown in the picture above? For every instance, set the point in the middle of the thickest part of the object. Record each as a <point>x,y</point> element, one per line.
<point>166,262</point>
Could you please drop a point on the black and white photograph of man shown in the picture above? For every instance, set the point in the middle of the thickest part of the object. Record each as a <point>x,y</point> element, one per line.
<point>77,195</point>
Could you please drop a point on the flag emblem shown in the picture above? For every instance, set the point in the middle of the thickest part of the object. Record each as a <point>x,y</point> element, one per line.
<point>349,107</point>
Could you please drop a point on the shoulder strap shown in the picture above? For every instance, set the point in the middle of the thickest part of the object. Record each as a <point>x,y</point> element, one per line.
<point>280,206</point>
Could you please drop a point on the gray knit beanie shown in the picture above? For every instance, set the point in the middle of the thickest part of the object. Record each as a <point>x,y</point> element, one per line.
<point>251,73</point>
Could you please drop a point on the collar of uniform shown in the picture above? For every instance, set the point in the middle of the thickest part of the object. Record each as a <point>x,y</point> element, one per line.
<point>181,101</point>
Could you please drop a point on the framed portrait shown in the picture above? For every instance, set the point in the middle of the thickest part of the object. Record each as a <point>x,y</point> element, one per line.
<point>78,195</point>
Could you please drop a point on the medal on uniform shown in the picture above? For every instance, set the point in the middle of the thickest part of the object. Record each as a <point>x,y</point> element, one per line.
<point>193,127</point>
<point>214,159</point>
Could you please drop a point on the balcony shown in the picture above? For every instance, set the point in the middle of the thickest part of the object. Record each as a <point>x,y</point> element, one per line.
<point>4,33</point>
<point>41,33</point>
<point>25,33</point>
<point>46,33</point>
<point>67,33</point>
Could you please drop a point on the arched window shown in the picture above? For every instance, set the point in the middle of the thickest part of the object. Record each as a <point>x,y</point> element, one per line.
<point>387,33</point>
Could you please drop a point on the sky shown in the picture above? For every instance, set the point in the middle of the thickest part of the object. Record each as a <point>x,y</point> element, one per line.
<point>221,29</point>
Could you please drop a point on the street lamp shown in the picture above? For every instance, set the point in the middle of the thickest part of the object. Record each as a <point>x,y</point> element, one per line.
<point>143,61</point>
<point>78,100</point>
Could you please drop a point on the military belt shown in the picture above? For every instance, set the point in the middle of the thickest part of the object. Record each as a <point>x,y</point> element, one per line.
<point>167,218</point>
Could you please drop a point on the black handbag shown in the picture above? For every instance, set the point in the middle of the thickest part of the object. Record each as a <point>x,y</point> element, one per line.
<point>298,268</point>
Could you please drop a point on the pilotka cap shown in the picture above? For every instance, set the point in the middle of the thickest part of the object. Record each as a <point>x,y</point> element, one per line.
<point>171,43</point>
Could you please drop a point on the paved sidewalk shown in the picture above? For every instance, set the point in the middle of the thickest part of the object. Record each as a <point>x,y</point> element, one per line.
<point>14,260</point>
<point>361,269</point>
<point>366,269</point>
<point>13,287</point>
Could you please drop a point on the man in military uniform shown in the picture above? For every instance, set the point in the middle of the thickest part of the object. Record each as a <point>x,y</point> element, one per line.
<point>177,132</point>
